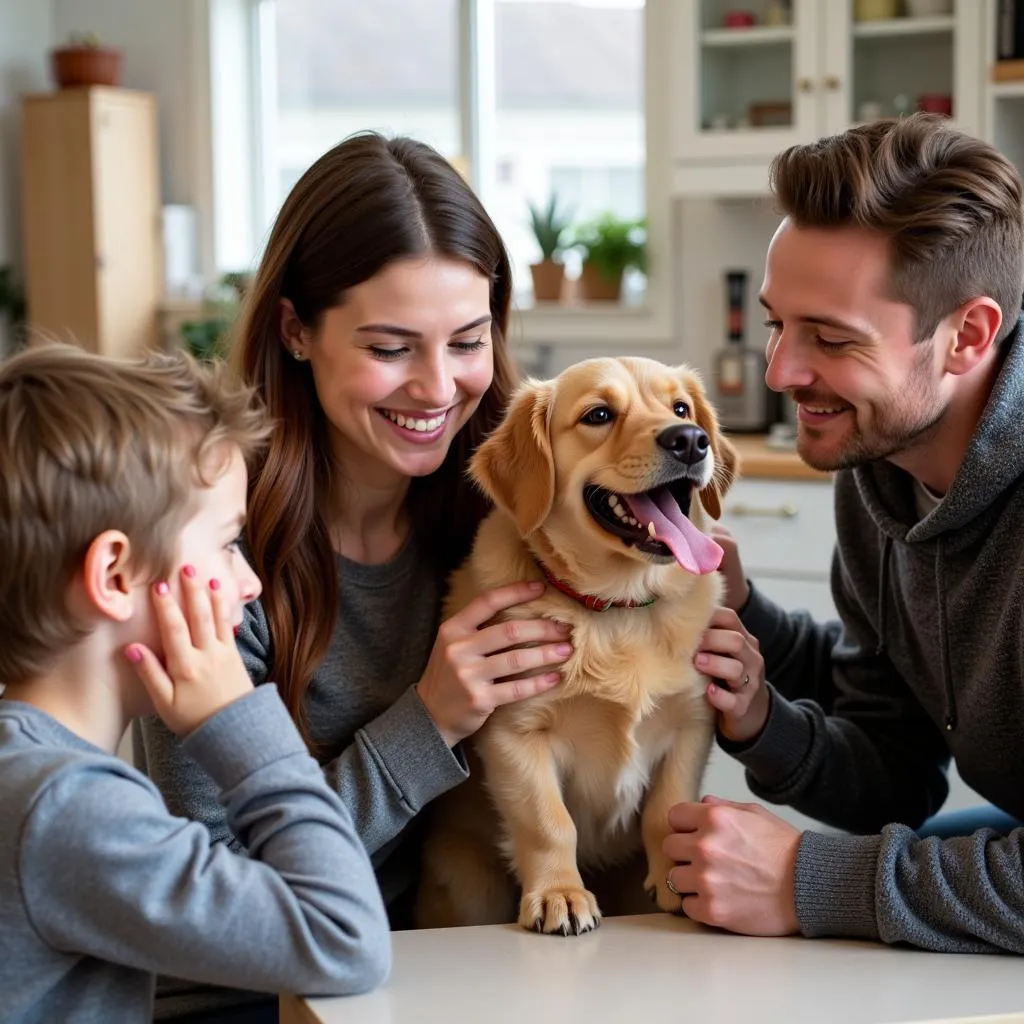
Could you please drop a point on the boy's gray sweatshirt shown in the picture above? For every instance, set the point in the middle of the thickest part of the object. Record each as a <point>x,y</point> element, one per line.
<point>101,887</point>
<point>381,751</point>
<point>929,663</point>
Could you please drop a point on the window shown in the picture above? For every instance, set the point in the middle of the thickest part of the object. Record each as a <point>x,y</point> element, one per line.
<point>525,96</point>
<point>569,115</point>
<point>329,68</point>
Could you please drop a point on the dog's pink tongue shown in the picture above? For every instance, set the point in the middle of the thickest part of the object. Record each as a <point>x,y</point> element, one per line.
<point>694,552</point>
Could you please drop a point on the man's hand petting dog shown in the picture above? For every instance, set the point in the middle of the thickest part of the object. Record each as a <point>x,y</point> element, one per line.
<point>737,691</point>
<point>737,589</point>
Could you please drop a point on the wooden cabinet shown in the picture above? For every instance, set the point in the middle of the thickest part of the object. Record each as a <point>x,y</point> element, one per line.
<point>91,217</point>
<point>746,93</point>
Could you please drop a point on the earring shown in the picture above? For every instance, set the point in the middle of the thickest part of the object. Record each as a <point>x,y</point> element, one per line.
<point>297,355</point>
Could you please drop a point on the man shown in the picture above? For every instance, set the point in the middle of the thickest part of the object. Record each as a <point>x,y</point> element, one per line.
<point>892,289</point>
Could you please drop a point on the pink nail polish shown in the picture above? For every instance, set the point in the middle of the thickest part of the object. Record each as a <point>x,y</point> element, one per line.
<point>133,654</point>
<point>215,584</point>
<point>189,571</point>
<point>163,589</point>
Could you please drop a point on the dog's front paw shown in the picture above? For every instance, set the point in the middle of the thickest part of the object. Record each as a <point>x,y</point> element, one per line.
<point>560,911</point>
<point>656,887</point>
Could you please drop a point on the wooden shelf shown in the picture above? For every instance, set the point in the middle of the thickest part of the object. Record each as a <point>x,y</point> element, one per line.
<point>898,27</point>
<point>756,35</point>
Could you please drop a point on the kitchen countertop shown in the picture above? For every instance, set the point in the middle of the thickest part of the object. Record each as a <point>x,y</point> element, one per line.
<point>758,461</point>
<point>656,968</point>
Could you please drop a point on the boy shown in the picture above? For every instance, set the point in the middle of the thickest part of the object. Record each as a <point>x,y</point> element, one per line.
<point>122,495</point>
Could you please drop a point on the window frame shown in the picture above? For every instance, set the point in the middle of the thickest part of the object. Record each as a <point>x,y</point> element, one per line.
<point>239,35</point>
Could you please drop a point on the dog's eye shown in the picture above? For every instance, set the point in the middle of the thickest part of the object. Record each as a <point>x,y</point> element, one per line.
<point>681,409</point>
<point>598,417</point>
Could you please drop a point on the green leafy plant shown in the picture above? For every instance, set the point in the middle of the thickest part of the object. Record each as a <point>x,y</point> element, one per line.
<point>84,41</point>
<point>549,227</point>
<point>611,244</point>
<point>206,338</point>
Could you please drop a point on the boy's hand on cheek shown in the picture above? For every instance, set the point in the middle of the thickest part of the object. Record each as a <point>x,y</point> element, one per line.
<point>204,671</point>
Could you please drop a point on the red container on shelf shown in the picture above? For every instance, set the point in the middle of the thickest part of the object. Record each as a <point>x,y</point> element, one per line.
<point>739,19</point>
<point>935,103</point>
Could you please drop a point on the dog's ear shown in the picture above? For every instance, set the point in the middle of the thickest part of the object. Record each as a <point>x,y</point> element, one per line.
<point>727,463</point>
<point>727,460</point>
<point>514,467</point>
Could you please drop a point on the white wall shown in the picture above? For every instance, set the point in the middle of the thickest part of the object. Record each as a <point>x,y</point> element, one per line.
<point>26,32</point>
<point>163,54</point>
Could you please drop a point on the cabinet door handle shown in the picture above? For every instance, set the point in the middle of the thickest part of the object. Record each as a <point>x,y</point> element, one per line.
<point>804,84</point>
<point>832,82</point>
<point>787,510</point>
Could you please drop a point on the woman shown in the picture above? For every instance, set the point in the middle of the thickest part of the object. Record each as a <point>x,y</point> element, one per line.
<point>375,332</point>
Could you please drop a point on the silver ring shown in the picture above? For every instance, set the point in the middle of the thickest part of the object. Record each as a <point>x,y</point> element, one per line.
<point>671,888</point>
<point>746,680</point>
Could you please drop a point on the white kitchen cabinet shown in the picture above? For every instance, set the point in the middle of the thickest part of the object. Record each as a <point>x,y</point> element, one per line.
<point>785,530</point>
<point>1004,101</point>
<point>745,94</point>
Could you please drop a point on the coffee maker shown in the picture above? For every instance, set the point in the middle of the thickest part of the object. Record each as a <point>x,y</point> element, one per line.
<point>742,399</point>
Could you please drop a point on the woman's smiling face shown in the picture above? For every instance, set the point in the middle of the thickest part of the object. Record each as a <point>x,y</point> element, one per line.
<point>401,365</point>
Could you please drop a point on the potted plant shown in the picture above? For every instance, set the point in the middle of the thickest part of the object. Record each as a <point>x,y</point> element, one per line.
<point>206,338</point>
<point>83,60</point>
<point>549,228</point>
<point>609,245</point>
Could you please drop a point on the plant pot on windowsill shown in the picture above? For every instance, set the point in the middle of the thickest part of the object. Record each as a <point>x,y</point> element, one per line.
<point>609,245</point>
<point>85,63</point>
<point>596,285</point>
<point>548,278</point>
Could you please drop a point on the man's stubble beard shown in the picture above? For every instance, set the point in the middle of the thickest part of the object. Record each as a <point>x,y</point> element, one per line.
<point>910,418</point>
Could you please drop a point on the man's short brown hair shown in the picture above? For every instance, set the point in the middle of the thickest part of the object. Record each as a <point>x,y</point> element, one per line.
<point>949,205</point>
<point>88,444</point>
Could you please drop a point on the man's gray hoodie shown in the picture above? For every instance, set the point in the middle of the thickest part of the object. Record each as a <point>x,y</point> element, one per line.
<point>929,663</point>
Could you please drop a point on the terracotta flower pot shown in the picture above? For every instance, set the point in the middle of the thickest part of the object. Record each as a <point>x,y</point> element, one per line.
<point>86,65</point>
<point>596,287</point>
<point>548,277</point>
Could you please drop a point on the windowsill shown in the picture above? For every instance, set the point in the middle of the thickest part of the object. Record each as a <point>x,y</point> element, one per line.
<point>597,324</point>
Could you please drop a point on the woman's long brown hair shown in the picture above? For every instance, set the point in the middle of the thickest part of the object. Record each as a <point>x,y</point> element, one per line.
<point>363,204</point>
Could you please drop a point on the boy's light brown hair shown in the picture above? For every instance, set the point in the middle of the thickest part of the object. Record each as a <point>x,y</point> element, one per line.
<point>87,444</point>
<point>949,204</point>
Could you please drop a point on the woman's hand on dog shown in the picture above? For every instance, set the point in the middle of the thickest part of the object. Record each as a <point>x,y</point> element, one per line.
<point>732,658</point>
<point>460,687</point>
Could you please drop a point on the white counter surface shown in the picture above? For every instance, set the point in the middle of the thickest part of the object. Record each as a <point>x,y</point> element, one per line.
<point>656,968</point>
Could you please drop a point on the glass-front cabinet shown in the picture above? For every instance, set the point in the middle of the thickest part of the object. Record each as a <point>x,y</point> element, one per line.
<point>752,78</point>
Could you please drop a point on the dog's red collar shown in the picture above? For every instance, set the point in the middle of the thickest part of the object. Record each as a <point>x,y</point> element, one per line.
<point>595,604</point>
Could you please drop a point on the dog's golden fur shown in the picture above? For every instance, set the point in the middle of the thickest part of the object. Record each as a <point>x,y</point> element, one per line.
<point>579,776</point>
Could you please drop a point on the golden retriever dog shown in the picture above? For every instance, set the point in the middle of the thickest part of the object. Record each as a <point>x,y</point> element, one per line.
<point>601,481</point>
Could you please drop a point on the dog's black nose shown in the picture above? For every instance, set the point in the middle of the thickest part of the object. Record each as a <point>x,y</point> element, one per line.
<point>686,441</point>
